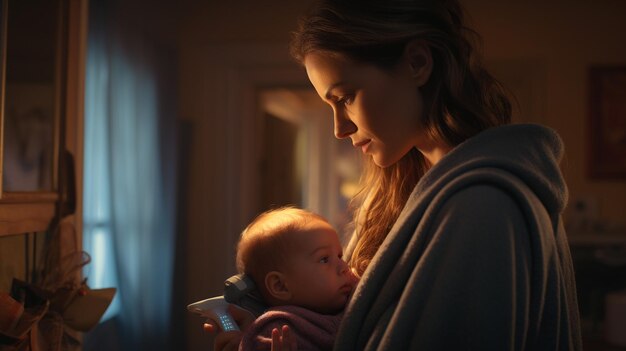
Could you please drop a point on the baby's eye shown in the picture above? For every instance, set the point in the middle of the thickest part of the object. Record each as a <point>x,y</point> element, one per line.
<point>324,259</point>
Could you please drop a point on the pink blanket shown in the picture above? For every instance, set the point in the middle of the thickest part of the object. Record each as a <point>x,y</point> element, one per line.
<point>313,331</point>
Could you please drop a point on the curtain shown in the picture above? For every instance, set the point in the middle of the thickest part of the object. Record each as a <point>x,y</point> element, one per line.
<point>130,176</point>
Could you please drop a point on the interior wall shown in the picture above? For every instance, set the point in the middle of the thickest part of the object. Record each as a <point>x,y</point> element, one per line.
<point>553,41</point>
<point>561,39</point>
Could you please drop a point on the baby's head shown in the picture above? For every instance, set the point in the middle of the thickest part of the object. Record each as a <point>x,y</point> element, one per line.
<point>294,257</point>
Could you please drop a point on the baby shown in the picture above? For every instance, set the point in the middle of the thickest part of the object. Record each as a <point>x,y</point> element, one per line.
<point>295,259</point>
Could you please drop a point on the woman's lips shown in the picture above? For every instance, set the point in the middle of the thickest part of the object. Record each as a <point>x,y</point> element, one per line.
<point>363,145</point>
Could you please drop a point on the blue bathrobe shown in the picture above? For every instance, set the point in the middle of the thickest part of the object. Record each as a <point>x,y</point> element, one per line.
<point>478,259</point>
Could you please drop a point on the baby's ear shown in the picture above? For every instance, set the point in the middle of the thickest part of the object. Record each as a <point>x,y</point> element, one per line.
<point>276,286</point>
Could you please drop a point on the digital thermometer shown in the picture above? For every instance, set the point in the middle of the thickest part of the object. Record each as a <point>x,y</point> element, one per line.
<point>215,308</point>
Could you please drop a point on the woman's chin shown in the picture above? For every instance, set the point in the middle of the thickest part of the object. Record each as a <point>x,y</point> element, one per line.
<point>381,162</point>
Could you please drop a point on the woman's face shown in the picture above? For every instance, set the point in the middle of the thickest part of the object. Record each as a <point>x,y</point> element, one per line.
<point>380,110</point>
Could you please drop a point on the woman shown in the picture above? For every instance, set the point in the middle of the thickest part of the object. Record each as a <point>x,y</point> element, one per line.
<point>459,240</point>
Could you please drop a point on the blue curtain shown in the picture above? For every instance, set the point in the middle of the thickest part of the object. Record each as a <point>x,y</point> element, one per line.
<point>130,177</point>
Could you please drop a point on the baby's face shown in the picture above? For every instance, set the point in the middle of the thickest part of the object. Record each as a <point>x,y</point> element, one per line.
<point>318,278</point>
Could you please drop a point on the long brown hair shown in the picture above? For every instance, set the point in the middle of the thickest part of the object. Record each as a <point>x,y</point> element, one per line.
<point>461,97</point>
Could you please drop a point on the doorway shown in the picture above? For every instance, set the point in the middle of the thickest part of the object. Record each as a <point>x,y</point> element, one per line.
<point>301,162</point>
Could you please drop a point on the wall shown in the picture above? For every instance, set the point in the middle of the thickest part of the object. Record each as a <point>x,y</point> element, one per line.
<point>561,39</point>
<point>552,43</point>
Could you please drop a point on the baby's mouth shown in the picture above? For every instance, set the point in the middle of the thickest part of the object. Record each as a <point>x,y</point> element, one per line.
<point>346,289</point>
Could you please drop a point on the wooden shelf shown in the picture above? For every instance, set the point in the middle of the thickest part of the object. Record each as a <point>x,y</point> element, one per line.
<point>16,218</point>
<point>597,239</point>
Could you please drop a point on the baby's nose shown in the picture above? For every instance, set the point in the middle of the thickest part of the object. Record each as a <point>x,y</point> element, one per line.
<point>343,267</point>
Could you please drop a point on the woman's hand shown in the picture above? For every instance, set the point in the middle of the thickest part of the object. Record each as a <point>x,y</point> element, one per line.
<point>283,340</point>
<point>226,341</point>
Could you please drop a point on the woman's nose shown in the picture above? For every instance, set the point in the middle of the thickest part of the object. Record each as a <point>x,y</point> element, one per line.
<point>344,127</point>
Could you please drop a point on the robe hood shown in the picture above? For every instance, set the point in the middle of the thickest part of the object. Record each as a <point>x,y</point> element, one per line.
<point>530,152</point>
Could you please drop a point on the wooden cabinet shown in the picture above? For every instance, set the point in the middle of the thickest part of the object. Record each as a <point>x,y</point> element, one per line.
<point>41,110</point>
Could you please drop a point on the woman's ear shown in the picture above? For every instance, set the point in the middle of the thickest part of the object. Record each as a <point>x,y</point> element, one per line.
<point>276,285</point>
<point>420,60</point>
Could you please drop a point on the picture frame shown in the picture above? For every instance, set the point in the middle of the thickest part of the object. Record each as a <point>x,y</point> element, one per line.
<point>606,156</point>
<point>31,95</point>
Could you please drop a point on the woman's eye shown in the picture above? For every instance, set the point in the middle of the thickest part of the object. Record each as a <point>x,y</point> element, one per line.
<point>345,100</point>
